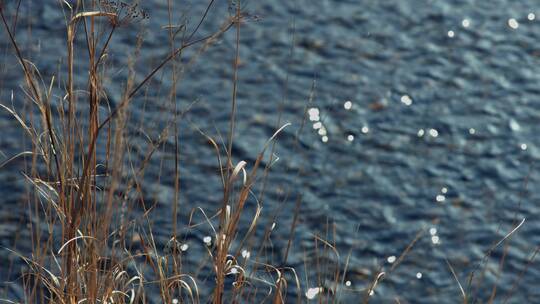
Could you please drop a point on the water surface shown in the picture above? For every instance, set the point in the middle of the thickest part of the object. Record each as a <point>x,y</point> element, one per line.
<point>422,117</point>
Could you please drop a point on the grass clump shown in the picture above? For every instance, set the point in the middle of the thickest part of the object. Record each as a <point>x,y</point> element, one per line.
<point>83,231</point>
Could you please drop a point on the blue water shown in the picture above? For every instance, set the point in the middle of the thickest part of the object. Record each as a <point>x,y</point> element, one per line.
<point>427,121</point>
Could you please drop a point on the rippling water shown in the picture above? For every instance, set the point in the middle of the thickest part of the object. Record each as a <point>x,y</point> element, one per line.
<point>423,116</point>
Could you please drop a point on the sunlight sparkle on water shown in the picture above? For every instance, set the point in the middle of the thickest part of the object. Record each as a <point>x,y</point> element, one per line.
<point>322,131</point>
<point>246,254</point>
<point>348,283</point>
<point>391,259</point>
<point>513,23</point>
<point>365,129</point>
<point>523,147</point>
<point>531,16</point>
<point>514,125</point>
<point>419,275</point>
<point>472,131</point>
<point>175,301</point>
<point>313,292</point>
<point>444,190</point>
<point>440,198</point>
<point>350,137</point>
<point>317,125</point>
<point>451,34</point>
<point>207,240</point>
<point>184,247</point>
<point>420,133</point>
<point>314,114</point>
<point>466,23</point>
<point>347,105</point>
<point>324,139</point>
<point>407,100</point>
<point>435,240</point>
<point>433,132</point>
<point>433,231</point>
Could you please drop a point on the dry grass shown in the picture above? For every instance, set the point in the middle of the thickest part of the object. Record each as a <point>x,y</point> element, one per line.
<point>88,222</point>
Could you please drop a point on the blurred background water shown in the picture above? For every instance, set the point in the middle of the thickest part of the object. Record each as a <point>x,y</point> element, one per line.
<point>423,115</point>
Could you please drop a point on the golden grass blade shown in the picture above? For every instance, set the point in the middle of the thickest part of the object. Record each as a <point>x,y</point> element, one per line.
<point>407,250</point>
<point>19,119</point>
<point>274,136</point>
<point>15,157</point>
<point>239,167</point>
<point>74,239</point>
<point>507,235</point>
<point>463,294</point>
<point>91,14</point>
